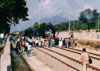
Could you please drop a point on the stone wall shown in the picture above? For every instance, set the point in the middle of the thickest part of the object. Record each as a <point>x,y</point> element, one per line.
<point>6,58</point>
<point>82,35</point>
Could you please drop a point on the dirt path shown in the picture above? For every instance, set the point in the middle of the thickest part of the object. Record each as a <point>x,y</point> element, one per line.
<point>36,64</point>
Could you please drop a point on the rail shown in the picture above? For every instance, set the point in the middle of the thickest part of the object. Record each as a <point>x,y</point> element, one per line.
<point>89,66</point>
<point>78,52</point>
<point>59,60</point>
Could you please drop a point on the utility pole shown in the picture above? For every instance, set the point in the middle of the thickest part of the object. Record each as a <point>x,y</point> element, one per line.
<point>39,12</point>
<point>98,22</point>
<point>69,25</point>
<point>73,24</point>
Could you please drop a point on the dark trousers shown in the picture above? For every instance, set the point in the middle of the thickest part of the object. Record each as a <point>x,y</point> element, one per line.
<point>28,52</point>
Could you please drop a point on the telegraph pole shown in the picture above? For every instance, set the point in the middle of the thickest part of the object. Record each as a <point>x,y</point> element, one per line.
<point>73,24</point>
<point>69,24</point>
<point>39,12</point>
<point>98,22</point>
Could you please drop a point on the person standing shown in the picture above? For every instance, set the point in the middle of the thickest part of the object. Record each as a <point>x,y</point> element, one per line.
<point>69,43</point>
<point>28,50</point>
<point>26,46</point>
<point>52,42</point>
<point>64,42</point>
<point>48,43</point>
<point>84,59</point>
<point>22,47</point>
<point>33,41</point>
<point>44,41</point>
<point>75,43</point>
<point>36,42</point>
<point>60,43</point>
<point>18,46</point>
<point>40,43</point>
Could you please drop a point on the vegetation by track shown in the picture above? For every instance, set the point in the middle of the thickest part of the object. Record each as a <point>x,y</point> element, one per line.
<point>18,62</point>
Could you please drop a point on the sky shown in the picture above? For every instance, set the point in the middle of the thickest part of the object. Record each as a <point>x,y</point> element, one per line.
<point>69,9</point>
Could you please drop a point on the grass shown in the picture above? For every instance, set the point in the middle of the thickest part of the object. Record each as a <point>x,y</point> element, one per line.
<point>1,53</point>
<point>19,63</point>
<point>91,44</point>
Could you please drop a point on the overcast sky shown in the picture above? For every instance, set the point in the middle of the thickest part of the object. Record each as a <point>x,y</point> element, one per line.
<point>49,8</point>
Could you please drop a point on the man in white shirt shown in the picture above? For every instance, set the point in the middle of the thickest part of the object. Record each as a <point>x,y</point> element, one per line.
<point>28,50</point>
<point>84,59</point>
<point>36,42</point>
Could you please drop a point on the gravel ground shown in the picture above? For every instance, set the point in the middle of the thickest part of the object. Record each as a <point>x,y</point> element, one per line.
<point>96,63</point>
<point>68,61</point>
<point>36,64</point>
<point>51,62</point>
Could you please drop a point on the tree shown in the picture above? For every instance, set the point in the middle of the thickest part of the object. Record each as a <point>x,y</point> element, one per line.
<point>36,26</point>
<point>61,26</point>
<point>29,32</point>
<point>11,12</point>
<point>89,17</point>
<point>43,28</point>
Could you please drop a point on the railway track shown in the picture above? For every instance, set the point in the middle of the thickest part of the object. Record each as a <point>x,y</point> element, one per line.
<point>58,59</point>
<point>87,51</point>
<point>51,53</point>
<point>95,59</point>
<point>92,55</point>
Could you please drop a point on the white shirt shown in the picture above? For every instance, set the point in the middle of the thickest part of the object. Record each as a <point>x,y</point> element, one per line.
<point>27,44</point>
<point>84,57</point>
<point>36,41</point>
<point>60,43</point>
<point>29,47</point>
<point>22,37</point>
<point>29,40</point>
<point>2,35</point>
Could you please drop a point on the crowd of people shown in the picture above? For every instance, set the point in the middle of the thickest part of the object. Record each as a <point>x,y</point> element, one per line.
<point>22,44</point>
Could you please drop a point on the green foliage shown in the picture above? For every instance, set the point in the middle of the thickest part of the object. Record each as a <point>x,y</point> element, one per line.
<point>74,25</point>
<point>19,63</point>
<point>88,20</point>
<point>80,26</point>
<point>40,30</point>
<point>89,17</point>
<point>29,32</point>
<point>61,26</point>
<point>11,12</point>
<point>36,26</point>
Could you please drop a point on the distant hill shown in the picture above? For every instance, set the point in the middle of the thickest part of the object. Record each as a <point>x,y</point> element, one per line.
<point>55,19</point>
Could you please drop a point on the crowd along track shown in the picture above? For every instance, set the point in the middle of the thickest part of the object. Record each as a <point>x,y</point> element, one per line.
<point>72,59</point>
